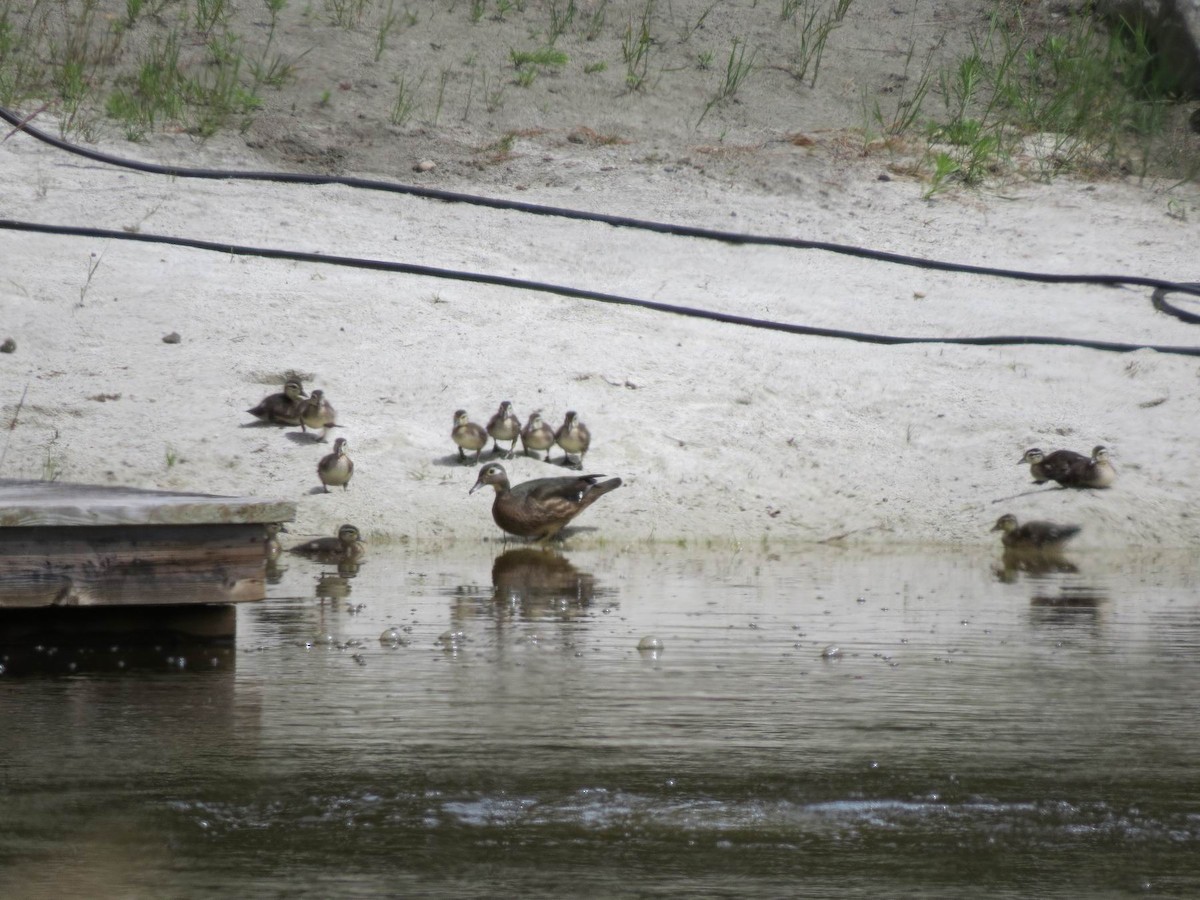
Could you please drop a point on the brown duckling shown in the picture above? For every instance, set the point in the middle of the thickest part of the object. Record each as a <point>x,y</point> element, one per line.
<point>573,436</point>
<point>467,435</point>
<point>537,436</point>
<point>540,508</point>
<point>504,426</point>
<point>1071,469</point>
<point>282,408</point>
<point>1050,467</point>
<point>336,468</point>
<point>347,546</point>
<point>1097,472</point>
<point>318,414</point>
<point>1033,535</point>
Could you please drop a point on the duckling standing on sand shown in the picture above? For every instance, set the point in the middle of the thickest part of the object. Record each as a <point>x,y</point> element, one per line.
<point>573,436</point>
<point>1071,469</point>
<point>504,426</point>
<point>1097,472</point>
<point>282,408</point>
<point>318,414</point>
<point>1045,468</point>
<point>346,547</point>
<point>540,508</point>
<point>336,468</point>
<point>537,436</point>
<point>467,435</point>
<point>1033,535</point>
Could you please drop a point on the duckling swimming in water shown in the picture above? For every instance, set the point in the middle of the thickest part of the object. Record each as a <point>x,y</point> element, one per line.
<point>1033,535</point>
<point>346,547</point>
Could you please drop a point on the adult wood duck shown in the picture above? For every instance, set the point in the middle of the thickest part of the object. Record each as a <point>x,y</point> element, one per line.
<point>347,546</point>
<point>318,414</point>
<point>504,426</point>
<point>1033,535</point>
<point>540,508</point>
<point>537,436</point>
<point>336,468</point>
<point>1071,469</point>
<point>467,435</point>
<point>282,408</point>
<point>574,437</point>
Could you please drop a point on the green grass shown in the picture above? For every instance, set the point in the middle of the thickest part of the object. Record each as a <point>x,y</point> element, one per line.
<point>1030,95</point>
<point>1075,99</point>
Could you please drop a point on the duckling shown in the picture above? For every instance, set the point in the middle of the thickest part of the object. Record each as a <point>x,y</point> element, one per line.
<point>336,468</point>
<point>1071,469</point>
<point>1045,468</point>
<point>504,426</point>
<point>467,435</point>
<point>574,437</point>
<point>540,508</point>
<point>284,408</point>
<point>347,546</point>
<point>537,436</point>
<point>318,414</point>
<point>1033,535</point>
<point>1097,472</point>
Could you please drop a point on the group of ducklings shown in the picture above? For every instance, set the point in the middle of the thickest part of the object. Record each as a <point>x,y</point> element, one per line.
<point>291,407</point>
<point>1070,470</point>
<point>542,507</point>
<point>538,509</point>
<point>536,436</point>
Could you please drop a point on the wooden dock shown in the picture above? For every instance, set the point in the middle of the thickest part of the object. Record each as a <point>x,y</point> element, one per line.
<point>81,545</point>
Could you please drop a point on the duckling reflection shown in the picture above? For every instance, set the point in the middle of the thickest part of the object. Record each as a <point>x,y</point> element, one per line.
<point>541,583</point>
<point>1031,563</point>
<point>274,551</point>
<point>1073,605</point>
<point>333,587</point>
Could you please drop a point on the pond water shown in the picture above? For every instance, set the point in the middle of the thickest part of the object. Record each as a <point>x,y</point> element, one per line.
<point>817,722</point>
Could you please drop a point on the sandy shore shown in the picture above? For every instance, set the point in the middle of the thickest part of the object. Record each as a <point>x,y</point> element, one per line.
<point>720,432</point>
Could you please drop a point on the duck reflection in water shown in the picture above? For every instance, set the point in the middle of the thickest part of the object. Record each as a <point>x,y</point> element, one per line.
<point>274,551</point>
<point>541,584</point>
<point>1032,563</point>
<point>1073,605</point>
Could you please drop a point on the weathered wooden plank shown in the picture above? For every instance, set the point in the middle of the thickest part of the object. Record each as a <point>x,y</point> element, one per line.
<point>131,565</point>
<point>30,503</point>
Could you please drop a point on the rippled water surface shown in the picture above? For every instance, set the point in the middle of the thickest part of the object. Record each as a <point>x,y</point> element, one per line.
<point>817,723</point>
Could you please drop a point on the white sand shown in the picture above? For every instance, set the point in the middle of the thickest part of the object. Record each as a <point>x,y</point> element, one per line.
<point>719,432</point>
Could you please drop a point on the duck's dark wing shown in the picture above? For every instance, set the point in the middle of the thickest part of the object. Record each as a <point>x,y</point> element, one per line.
<point>1064,464</point>
<point>1042,534</point>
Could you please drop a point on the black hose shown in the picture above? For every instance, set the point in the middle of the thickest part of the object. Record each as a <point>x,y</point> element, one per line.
<point>1160,286</point>
<point>565,291</point>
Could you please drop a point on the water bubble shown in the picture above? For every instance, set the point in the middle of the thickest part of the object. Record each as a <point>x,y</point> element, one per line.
<point>651,643</point>
<point>391,636</point>
<point>833,651</point>
<point>451,641</point>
